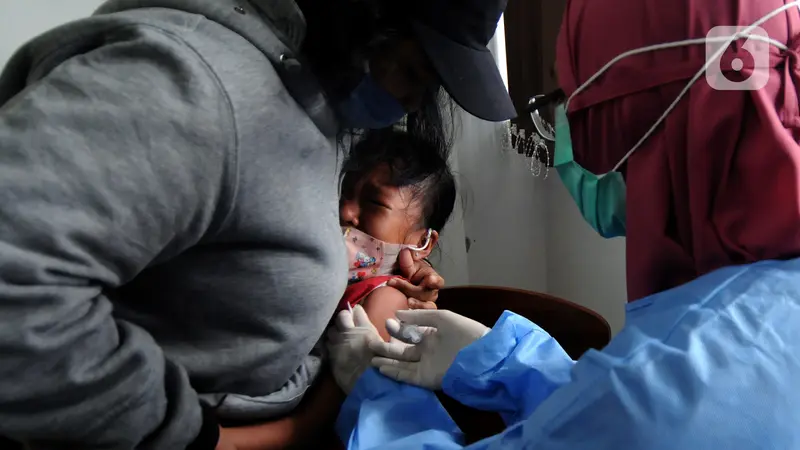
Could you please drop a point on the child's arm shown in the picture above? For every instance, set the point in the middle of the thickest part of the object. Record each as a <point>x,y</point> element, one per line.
<point>381,304</point>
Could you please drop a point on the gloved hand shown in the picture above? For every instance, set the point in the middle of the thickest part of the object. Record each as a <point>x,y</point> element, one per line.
<point>348,346</point>
<point>444,334</point>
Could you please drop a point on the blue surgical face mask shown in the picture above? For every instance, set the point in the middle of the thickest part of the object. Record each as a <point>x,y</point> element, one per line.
<point>369,106</point>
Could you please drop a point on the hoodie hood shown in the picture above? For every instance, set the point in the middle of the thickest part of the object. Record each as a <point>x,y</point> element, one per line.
<point>275,27</point>
<point>284,33</point>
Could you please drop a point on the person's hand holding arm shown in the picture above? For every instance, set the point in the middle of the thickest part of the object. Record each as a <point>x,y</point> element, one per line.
<point>117,158</point>
<point>423,285</point>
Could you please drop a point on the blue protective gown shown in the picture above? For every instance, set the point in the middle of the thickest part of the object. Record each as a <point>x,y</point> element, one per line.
<point>707,365</point>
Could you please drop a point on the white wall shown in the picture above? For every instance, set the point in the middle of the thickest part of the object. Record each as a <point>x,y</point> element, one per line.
<point>21,20</point>
<point>526,232</point>
<point>504,215</point>
<point>451,259</point>
<point>581,266</point>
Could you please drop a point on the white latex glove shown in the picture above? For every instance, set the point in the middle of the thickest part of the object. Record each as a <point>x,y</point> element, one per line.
<point>348,346</point>
<point>444,334</point>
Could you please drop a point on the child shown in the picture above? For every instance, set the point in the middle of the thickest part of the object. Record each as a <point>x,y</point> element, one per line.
<point>397,192</point>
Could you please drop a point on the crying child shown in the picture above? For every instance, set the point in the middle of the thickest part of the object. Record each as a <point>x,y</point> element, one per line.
<point>397,192</point>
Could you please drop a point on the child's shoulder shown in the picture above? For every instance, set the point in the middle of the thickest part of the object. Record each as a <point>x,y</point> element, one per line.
<point>358,291</point>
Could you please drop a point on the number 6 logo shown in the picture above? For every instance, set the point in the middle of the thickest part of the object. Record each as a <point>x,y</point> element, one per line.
<point>753,68</point>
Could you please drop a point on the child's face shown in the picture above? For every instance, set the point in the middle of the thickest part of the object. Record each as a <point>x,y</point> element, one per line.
<point>385,212</point>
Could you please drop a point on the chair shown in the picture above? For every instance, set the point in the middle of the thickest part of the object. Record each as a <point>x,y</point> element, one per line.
<point>576,328</point>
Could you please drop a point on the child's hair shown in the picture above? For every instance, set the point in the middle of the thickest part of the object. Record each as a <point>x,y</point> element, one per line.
<point>415,163</point>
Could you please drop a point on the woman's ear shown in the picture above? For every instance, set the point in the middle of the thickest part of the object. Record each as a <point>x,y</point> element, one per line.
<point>431,243</point>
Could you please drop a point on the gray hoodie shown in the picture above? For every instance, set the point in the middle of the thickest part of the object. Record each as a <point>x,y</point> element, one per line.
<point>168,221</point>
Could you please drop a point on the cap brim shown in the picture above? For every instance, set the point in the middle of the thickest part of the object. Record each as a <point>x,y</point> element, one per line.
<point>470,76</point>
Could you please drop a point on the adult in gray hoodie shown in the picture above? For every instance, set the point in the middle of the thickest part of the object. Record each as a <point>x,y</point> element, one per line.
<point>168,200</point>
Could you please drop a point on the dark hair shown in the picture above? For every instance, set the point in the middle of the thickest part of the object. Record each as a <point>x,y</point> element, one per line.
<point>413,162</point>
<point>342,35</point>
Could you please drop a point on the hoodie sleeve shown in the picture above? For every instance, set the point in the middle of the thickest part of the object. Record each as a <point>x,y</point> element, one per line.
<point>116,159</point>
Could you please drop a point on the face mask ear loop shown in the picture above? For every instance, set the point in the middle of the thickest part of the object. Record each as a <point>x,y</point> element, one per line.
<point>742,34</point>
<point>684,43</point>
<point>624,55</point>
<point>425,244</point>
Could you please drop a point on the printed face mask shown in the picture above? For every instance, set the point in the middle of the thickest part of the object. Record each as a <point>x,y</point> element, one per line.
<point>369,257</point>
<point>601,198</point>
<point>369,106</point>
